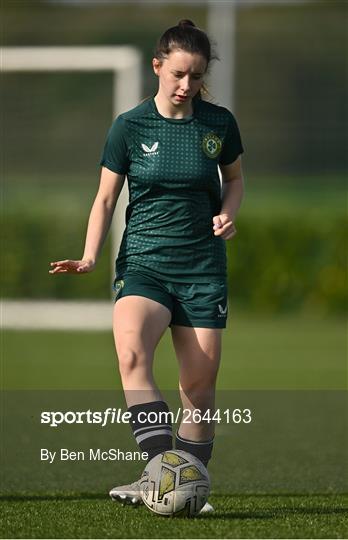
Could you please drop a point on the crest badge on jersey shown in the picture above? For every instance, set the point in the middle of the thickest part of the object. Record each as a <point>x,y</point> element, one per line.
<point>212,145</point>
<point>118,285</point>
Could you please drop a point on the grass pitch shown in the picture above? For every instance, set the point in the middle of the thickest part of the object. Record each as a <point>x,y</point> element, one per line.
<point>259,352</point>
<point>285,353</point>
<point>236,516</point>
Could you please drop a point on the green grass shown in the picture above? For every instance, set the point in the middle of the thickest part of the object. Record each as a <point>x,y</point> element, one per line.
<point>273,489</point>
<point>93,516</point>
<point>293,352</point>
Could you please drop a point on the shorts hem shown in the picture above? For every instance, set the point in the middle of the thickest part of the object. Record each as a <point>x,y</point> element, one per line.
<point>118,297</point>
<point>200,324</point>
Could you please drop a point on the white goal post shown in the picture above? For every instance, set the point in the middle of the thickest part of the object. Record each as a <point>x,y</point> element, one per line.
<point>125,64</point>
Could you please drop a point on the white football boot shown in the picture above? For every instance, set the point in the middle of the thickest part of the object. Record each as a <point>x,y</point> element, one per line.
<point>127,494</point>
<point>207,508</point>
<point>130,494</point>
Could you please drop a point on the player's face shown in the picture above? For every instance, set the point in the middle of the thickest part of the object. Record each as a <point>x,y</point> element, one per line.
<point>180,75</point>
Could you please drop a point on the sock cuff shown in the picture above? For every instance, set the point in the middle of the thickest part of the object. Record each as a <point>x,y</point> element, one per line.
<point>149,406</point>
<point>150,416</point>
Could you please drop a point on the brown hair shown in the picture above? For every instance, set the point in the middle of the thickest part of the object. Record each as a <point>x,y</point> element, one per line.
<point>187,37</point>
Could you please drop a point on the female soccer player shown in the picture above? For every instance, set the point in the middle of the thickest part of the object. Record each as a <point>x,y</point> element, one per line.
<point>171,266</point>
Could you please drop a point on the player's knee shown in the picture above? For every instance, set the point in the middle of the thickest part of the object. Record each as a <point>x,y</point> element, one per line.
<point>199,388</point>
<point>130,360</point>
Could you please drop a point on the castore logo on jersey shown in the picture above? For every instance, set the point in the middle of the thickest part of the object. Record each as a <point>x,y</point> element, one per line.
<point>150,151</point>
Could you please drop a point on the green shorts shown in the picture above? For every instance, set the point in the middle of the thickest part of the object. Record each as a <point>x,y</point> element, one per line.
<point>200,305</point>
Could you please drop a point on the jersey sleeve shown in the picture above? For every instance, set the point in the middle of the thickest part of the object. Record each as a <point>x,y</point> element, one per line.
<point>232,146</point>
<point>115,154</point>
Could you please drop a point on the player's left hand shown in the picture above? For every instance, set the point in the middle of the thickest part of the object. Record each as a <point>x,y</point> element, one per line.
<point>223,226</point>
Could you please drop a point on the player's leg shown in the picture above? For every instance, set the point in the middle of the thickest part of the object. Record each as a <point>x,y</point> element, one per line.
<point>198,351</point>
<point>138,324</point>
<point>199,315</point>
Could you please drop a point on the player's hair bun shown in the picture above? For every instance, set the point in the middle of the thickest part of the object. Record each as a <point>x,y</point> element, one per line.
<point>185,36</point>
<point>186,22</point>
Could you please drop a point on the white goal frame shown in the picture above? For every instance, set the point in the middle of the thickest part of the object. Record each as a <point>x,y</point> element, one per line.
<point>123,61</point>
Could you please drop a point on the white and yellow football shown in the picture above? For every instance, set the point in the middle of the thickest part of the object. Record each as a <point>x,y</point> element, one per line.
<point>175,483</point>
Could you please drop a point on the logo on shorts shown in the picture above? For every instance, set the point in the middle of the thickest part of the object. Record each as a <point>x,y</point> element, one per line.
<point>212,145</point>
<point>150,151</point>
<point>118,286</point>
<point>222,311</point>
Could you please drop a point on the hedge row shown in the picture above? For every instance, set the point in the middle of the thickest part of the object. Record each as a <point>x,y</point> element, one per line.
<point>276,265</point>
<point>289,265</point>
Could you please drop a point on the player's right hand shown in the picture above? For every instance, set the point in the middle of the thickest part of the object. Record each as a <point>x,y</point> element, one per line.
<point>72,267</point>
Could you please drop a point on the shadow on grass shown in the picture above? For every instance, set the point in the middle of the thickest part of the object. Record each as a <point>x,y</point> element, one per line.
<point>54,497</point>
<point>270,513</point>
<point>274,513</point>
<point>104,496</point>
<point>277,512</point>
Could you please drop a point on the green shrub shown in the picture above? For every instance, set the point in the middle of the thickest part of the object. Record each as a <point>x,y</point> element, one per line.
<point>32,242</point>
<point>275,265</point>
<point>285,265</point>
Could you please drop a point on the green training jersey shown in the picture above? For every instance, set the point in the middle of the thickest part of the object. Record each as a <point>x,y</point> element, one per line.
<point>174,189</point>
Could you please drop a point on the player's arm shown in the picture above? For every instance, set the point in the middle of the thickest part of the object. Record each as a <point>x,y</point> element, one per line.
<point>232,195</point>
<point>99,222</point>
